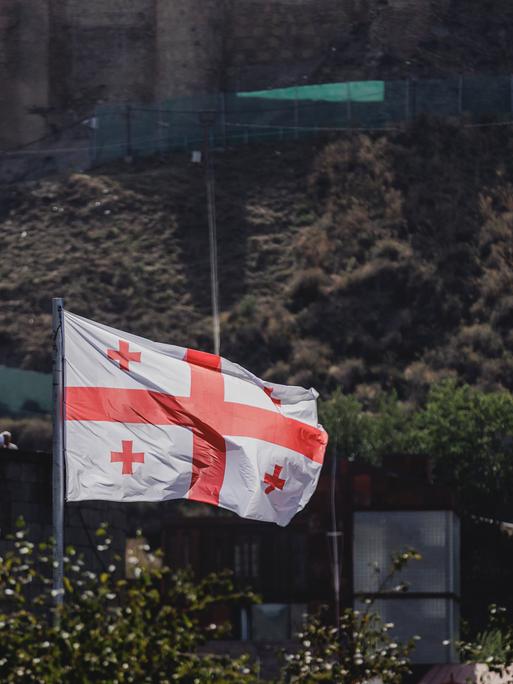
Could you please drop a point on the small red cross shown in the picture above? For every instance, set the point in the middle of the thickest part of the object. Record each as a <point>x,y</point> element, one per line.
<point>269,392</point>
<point>123,355</point>
<point>274,481</point>
<point>127,457</point>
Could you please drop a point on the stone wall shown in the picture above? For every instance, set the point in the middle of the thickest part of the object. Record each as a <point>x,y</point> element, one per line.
<point>101,51</point>
<point>59,58</point>
<point>270,43</point>
<point>189,36</point>
<point>26,490</point>
<point>24,78</point>
<point>399,25</point>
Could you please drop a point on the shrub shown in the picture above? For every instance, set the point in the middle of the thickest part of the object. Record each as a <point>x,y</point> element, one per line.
<point>107,630</point>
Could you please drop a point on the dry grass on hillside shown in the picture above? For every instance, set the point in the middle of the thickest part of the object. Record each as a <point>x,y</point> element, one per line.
<point>364,261</point>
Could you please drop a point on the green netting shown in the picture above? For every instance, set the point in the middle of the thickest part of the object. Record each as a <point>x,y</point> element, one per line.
<point>355,91</point>
<point>237,118</point>
<point>24,392</point>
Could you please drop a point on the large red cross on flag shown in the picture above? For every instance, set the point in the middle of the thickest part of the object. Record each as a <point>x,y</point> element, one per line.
<point>147,422</point>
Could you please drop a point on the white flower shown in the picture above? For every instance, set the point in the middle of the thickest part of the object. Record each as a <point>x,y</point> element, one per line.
<point>9,592</point>
<point>306,643</point>
<point>111,568</point>
<point>446,642</point>
<point>110,597</point>
<point>24,550</point>
<point>45,644</point>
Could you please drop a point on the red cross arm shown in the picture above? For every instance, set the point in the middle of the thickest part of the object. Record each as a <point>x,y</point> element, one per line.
<point>144,406</point>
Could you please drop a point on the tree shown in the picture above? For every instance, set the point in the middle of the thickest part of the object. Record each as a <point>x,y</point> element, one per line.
<point>469,434</point>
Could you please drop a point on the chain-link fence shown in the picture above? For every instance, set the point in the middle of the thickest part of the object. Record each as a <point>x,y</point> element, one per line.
<point>230,119</point>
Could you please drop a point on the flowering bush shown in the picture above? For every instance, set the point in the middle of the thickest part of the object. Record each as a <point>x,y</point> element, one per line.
<point>360,650</point>
<point>357,650</point>
<point>107,630</point>
<point>494,645</point>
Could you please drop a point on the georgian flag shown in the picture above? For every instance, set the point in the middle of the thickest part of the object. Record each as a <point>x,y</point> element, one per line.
<point>148,422</point>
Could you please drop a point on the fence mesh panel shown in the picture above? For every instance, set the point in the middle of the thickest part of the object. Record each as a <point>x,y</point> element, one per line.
<point>231,119</point>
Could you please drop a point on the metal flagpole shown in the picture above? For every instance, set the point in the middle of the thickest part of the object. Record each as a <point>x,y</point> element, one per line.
<point>58,452</point>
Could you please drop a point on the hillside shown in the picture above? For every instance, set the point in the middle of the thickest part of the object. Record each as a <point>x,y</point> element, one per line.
<point>364,261</point>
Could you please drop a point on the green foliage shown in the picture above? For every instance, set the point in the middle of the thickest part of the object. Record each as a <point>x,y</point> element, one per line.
<point>355,432</point>
<point>494,645</point>
<point>346,424</point>
<point>469,433</point>
<point>359,649</point>
<point>108,630</point>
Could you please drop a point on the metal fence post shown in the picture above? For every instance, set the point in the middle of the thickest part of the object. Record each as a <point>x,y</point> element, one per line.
<point>223,117</point>
<point>296,117</point>
<point>349,112</point>
<point>128,121</point>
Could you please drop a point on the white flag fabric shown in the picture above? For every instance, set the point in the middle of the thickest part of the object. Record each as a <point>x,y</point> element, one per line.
<point>146,421</point>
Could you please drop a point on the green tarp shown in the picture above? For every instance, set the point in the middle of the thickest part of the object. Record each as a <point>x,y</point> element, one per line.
<point>356,91</point>
<point>24,392</point>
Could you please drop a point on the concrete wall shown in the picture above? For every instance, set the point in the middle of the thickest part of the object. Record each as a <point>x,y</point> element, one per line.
<point>26,490</point>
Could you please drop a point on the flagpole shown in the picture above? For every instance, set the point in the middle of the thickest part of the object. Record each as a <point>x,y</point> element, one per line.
<point>58,452</point>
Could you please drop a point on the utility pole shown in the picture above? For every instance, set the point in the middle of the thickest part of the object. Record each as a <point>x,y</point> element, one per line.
<point>335,535</point>
<point>207,120</point>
